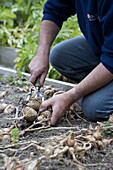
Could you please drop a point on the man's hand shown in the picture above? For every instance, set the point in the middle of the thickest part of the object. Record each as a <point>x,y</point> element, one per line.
<point>39,67</point>
<point>99,77</point>
<point>59,104</point>
<point>40,63</point>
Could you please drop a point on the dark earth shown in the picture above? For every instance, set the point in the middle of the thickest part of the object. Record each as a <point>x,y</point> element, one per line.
<point>95,159</point>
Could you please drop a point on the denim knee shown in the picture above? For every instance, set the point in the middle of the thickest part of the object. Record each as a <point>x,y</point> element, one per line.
<point>95,109</point>
<point>53,57</point>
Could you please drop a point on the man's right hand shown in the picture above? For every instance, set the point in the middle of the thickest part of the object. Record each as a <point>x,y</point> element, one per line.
<point>39,66</point>
<point>40,63</point>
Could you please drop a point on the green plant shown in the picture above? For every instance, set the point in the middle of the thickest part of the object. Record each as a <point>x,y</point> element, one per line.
<point>15,97</point>
<point>24,57</point>
<point>2,79</point>
<point>108,131</point>
<point>21,30</point>
<point>19,80</point>
<point>7,17</point>
<point>15,135</point>
<point>70,29</point>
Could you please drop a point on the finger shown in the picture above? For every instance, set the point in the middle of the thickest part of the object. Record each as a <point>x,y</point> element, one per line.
<point>33,78</point>
<point>38,82</point>
<point>54,118</point>
<point>30,68</point>
<point>29,65</point>
<point>42,78</point>
<point>45,105</point>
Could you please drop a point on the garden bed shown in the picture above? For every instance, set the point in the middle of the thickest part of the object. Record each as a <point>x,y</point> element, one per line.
<point>25,149</point>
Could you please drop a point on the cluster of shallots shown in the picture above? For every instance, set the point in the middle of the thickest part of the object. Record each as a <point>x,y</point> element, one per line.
<point>7,108</point>
<point>5,135</point>
<point>60,146</point>
<point>75,146</point>
<point>32,109</point>
<point>95,137</point>
<point>13,163</point>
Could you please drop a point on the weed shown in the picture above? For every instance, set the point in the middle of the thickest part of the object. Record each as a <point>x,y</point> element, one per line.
<point>15,97</point>
<point>19,80</point>
<point>108,131</point>
<point>15,135</point>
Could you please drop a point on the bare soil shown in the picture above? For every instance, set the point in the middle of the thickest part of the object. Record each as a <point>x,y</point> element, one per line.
<point>95,159</point>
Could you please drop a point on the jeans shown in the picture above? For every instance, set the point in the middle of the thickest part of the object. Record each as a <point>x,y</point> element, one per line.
<point>75,59</point>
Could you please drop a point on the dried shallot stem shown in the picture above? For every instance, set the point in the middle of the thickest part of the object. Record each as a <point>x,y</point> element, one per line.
<point>79,165</point>
<point>32,130</point>
<point>108,127</point>
<point>60,128</point>
<point>15,144</point>
<point>37,123</point>
<point>24,148</point>
<point>11,119</point>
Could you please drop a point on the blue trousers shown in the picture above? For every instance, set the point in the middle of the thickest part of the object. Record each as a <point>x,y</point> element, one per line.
<point>74,59</point>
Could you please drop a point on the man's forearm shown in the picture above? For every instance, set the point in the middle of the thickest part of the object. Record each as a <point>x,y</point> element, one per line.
<point>39,65</point>
<point>47,34</point>
<point>99,77</point>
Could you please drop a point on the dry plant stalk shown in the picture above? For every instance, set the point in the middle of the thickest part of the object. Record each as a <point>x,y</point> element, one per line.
<point>76,146</point>
<point>57,147</point>
<point>7,108</point>
<point>4,93</point>
<point>95,137</point>
<point>5,134</point>
<point>13,163</point>
<point>111,119</point>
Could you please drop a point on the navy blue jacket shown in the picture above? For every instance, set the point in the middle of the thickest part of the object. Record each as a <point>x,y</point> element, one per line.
<point>95,19</point>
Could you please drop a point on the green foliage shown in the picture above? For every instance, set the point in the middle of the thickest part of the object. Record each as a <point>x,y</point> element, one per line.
<point>19,80</point>
<point>70,29</point>
<point>107,124</point>
<point>108,131</point>
<point>52,73</point>
<point>19,27</point>
<point>26,19</point>
<point>7,16</point>
<point>15,135</point>
<point>24,57</point>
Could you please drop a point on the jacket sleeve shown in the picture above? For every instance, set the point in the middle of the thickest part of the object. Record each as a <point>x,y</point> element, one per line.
<point>106,19</point>
<point>58,10</point>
